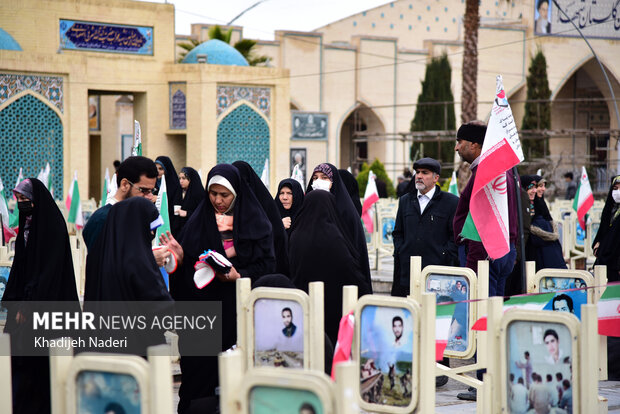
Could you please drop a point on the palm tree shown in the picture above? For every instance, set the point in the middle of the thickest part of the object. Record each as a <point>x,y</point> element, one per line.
<point>187,47</point>
<point>243,46</point>
<point>469,92</point>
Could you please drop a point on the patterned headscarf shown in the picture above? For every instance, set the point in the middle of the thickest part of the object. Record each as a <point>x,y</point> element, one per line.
<point>324,168</point>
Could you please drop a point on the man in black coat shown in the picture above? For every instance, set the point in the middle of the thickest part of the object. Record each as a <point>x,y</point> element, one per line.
<point>423,225</point>
<point>424,228</point>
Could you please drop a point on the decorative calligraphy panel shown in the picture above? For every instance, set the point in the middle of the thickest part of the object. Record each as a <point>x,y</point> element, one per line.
<point>228,95</point>
<point>102,37</point>
<point>243,135</point>
<point>48,86</point>
<point>178,104</point>
<point>309,125</point>
<point>595,18</point>
<point>32,135</point>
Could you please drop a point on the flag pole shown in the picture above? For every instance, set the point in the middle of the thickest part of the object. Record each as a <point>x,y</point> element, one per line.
<point>521,240</point>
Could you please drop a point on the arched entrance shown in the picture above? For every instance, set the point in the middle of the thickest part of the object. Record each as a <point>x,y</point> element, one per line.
<point>31,136</point>
<point>582,106</point>
<point>243,135</point>
<point>361,138</point>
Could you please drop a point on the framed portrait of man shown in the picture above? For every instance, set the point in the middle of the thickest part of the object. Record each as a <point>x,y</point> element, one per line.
<point>539,365</point>
<point>278,328</point>
<point>387,351</point>
<point>570,288</point>
<point>278,344</point>
<point>454,288</point>
<point>287,391</point>
<point>100,384</point>
<point>298,157</point>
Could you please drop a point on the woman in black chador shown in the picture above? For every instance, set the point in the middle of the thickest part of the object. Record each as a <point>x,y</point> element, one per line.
<point>42,271</point>
<point>191,194</point>
<point>280,239</point>
<point>543,245</point>
<point>326,177</point>
<point>121,265</point>
<point>231,222</point>
<point>607,241</point>
<point>173,186</point>
<point>350,183</point>
<point>321,251</point>
<point>289,199</point>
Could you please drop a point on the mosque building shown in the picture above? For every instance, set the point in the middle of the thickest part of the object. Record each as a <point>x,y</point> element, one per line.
<point>74,74</point>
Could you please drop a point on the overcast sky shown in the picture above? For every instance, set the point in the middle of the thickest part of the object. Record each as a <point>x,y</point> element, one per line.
<point>261,21</point>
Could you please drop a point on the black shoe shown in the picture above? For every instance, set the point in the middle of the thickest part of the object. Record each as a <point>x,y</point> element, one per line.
<point>441,380</point>
<point>470,395</point>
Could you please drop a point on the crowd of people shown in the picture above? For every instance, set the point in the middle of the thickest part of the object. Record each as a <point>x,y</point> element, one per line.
<point>303,236</point>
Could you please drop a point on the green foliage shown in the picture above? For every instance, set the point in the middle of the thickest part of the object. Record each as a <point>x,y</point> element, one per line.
<point>215,32</point>
<point>379,170</point>
<point>187,46</point>
<point>537,114</point>
<point>438,117</point>
<point>244,46</point>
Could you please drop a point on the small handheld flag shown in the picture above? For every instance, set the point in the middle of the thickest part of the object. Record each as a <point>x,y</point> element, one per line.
<point>137,139</point>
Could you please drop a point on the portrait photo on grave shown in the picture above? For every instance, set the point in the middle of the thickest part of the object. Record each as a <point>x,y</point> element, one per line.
<point>269,400</point>
<point>107,393</point>
<point>4,277</point>
<point>452,288</point>
<point>386,355</point>
<point>278,333</point>
<point>569,300</point>
<point>387,226</point>
<point>539,364</point>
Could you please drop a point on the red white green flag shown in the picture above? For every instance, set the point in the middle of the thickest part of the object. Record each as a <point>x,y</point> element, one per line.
<point>371,196</point>
<point>75,207</point>
<point>584,200</point>
<point>489,201</point>
<point>536,301</point>
<point>104,191</point>
<point>443,318</point>
<point>454,188</point>
<point>609,311</point>
<point>8,232</point>
<point>137,139</point>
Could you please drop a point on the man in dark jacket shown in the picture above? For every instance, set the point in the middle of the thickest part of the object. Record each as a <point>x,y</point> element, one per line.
<point>423,225</point>
<point>424,228</point>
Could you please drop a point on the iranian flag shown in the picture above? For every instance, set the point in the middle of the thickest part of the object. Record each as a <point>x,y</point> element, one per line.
<point>584,200</point>
<point>534,301</point>
<point>609,311</point>
<point>264,177</point>
<point>74,205</point>
<point>443,318</point>
<point>371,195</point>
<point>489,201</point>
<point>7,231</point>
<point>342,349</point>
<point>137,139</point>
<point>453,189</point>
<point>162,206</point>
<point>104,191</point>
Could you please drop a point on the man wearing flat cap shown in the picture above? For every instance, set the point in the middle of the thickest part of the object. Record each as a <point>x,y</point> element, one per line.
<point>423,225</point>
<point>469,140</point>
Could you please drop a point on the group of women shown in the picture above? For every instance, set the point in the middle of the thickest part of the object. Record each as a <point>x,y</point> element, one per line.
<point>308,236</point>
